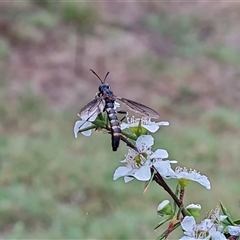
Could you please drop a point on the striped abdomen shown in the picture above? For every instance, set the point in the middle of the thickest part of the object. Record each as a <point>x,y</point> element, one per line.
<point>115,126</point>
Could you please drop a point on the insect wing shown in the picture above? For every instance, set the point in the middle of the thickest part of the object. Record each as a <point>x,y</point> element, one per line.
<point>88,114</point>
<point>139,108</point>
<point>92,109</point>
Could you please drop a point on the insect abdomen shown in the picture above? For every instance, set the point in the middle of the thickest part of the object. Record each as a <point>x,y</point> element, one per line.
<point>115,126</point>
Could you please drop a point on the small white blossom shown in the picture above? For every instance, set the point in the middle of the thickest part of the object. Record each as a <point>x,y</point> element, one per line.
<point>192,175</point>
<point>84,123</point>
<point>138,164</point>
<point>140,168</point>
<point>209,228</point>
<point>145,122</point>
<point>215,216</point>
<point>193,231</point>
<point>234,230</point>
<point>204,230</point>
<point>81,124</point>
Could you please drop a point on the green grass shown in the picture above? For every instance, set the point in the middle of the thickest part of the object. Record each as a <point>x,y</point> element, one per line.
<point>85,16</point>
<point>53,186</point>
<point>188,35</point>
<point>56,186</point>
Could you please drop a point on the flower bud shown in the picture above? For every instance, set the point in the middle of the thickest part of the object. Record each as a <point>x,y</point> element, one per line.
<point>165,208</point>
<point>194,209</point>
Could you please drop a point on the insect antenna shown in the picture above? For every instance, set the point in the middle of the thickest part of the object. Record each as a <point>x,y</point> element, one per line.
<point>98,76</point>
<point>106,77</point>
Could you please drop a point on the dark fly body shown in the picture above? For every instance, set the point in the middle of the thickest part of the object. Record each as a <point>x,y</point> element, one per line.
<point>104,102</point>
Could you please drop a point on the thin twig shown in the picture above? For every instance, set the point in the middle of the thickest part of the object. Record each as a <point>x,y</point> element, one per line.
<point>159,180</point>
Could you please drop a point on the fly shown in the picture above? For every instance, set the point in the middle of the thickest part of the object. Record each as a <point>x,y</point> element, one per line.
<point>104,102</point>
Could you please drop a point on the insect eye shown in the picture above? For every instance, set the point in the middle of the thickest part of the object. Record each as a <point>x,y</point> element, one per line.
<point>108,87</point>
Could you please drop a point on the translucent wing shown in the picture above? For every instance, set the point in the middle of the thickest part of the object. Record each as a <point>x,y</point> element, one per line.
<point>92,109</point>
<point>139,108</point>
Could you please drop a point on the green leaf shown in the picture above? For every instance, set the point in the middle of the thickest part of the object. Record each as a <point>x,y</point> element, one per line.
<point>165,233</point>
<point>163,220</point>
<point>225,212</point>
<point>176,193</point>
<point>237,222</point>
<point>86,129</point>
<point>130,135</point>
<point>99,123</point>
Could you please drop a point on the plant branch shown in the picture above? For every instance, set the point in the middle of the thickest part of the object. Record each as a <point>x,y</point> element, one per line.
<point>159,180</point>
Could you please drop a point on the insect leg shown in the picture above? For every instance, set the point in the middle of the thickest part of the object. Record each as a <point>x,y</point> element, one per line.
<point>123,112</point>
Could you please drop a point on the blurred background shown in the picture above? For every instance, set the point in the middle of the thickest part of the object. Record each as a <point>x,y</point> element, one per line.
<point>182,59</point>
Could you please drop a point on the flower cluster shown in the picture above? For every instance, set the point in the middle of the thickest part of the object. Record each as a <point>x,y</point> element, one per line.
<point>138,163</point>
<point>212,227</point>
<point>145,123</point>
<point>143,163</point>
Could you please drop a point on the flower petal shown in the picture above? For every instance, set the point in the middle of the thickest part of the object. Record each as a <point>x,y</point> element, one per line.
<point>121,172</point>
<point>205,225</point>
<point>128,179</point>
<point>216,235</point>
<point>164,168</point>
<point>193,175</point>
<point>76,128</point>
<point>144,142</point>
<point>80,125</point>
<point>143,173</point>
<point>203,180</point>
<point>87,133</point>
<point>123,161</point>
<point>234,230</point>
<point>163,123</point>
<point>151,128</point>
<point>159,153</point>
<point>124,125</point>
<point>188,224</point>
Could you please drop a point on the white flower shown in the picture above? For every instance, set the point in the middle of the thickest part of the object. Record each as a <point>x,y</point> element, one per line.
<point>80,125</point>
<point>204,230</point>
<point>234,230</point>
<point>217,219</point>
<point>195,231</point>
<point>215,216</point>
<point>84,123</point>
<point>138,164</point>
<point>216,235</point>
<point>163,167</point>
<point>192,175</point>
<point>145,122</point>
